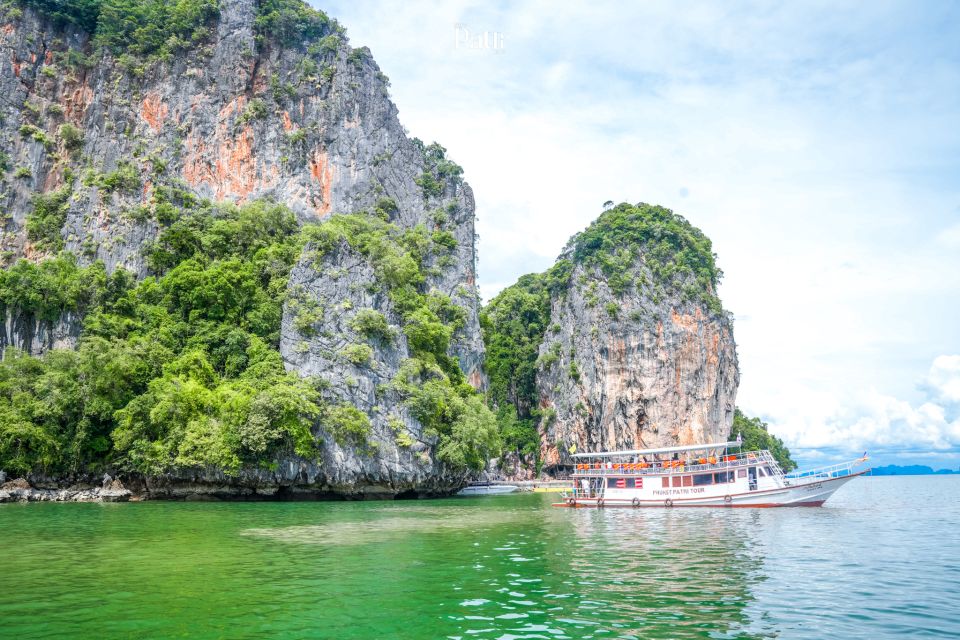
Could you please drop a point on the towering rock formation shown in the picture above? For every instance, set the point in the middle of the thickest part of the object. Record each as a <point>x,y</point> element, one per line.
<point>250,99</point>
<point>632,347</point>
<point>305,120</point>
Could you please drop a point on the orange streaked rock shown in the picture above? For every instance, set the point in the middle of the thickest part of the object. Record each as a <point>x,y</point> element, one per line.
<point>322,171</point>
<point>75,104</point>
<point>154,111</point>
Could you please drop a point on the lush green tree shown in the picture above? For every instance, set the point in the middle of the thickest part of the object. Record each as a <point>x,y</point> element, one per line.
<point>182,368</point>
<point>518,435</point>
<point>47,217</point>
<point>82,13</point>
<point>472,437</point>
<point>674,250</point>
<point>51,287</point>
<point>346,423</point>
<point>756,436</point>
<point>179,369</point>
<point>371,324</point>
<point>146,28</point>
<point>514,323</point>
<point>291,21</point>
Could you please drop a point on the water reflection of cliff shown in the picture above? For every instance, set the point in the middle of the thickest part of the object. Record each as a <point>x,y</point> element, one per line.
<point>664,573</point>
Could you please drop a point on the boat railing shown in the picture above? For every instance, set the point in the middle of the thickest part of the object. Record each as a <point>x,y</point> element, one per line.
<point>826,472</point>
<point>722,463</point>
<point>773,466</point>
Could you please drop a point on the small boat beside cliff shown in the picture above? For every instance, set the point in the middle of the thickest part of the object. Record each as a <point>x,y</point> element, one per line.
<point>707,475</point>
<point>487,489</point>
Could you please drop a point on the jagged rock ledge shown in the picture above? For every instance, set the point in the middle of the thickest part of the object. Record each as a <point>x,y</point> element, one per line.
<point>20,490</point>
<point>291,482</point>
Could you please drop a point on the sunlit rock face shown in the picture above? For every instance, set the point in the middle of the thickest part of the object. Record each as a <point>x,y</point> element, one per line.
<point>233,120</point>
<point>654,373</point>
<point>237,117</point>
<point>634,347</point>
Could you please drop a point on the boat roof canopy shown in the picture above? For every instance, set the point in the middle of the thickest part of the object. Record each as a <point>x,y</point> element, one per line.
<point>650,452</point>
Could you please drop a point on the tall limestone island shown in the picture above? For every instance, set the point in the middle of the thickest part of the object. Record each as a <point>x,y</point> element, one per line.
<point>622,344</point>
<point>226,268</point>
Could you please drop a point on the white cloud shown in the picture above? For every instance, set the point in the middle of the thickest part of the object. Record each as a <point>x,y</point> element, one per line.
<point>816,145</point>
<point>944,380</point>
<point>872,420</point>
<point>950,237</point>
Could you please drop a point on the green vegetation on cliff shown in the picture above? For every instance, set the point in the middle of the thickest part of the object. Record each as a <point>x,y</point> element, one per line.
<point>157,28</point>
<point>291,21</point>
<point>430,381</point>
<point>182,368</point>
<point>620,243</point>
<point>677,253</point>
<point>756,436</point>
<point>513,325</point>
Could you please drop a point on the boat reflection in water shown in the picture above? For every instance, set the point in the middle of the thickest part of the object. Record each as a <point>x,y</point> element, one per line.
<point>661,573</point>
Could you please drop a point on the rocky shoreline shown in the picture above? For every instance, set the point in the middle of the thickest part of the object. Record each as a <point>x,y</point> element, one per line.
<point>201,487</point>
<point>19,490</point>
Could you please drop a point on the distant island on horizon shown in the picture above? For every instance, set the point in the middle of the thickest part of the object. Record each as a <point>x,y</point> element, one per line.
<point>910,470</point>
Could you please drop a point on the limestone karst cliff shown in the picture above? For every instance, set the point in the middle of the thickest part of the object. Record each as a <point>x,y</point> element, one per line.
<point>248,111</point>
<point>622,344</point>
<point>227,270</point>
<point>128,131</point>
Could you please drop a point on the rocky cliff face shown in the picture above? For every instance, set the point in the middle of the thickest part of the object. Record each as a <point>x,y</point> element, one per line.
<point>33,335</point>
<point>633,372</point>
<point>101,141</point>
<point>632,349</point>
<point>311,127</point>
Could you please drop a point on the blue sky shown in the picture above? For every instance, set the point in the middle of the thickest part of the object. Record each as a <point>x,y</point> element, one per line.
<point>817,144</point>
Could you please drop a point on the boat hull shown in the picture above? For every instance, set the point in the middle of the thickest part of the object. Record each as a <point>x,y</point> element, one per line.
<point>810,494</point>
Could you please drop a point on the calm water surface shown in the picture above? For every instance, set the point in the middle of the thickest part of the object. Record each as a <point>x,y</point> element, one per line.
<point>881,560</point>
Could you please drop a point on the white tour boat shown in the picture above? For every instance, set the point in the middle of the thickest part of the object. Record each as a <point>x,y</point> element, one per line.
<point>706,475</point>
<point>487,489</point>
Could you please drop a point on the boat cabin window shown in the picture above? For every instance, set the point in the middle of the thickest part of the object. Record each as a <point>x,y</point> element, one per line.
<point>677,480</point>
<point>666,482</point>
<point>741,473</point>
<point>688,481</point>
<point>723,477</point>
<point>768,471</point>
<point>761,471</point>
<point>702,479</point>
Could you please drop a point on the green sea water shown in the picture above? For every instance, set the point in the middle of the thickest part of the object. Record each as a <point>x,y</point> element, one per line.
<point>882,559</point>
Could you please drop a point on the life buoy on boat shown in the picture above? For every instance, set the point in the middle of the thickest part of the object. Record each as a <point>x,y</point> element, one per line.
<point>636,502</point>
<point>668,502</point>
<point>572,502</point>
<point>728,499</point>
